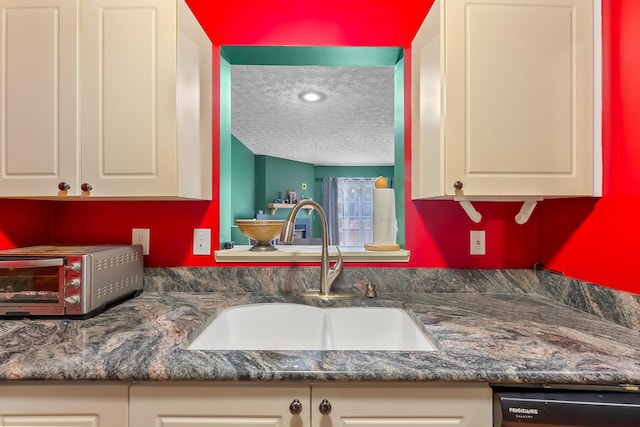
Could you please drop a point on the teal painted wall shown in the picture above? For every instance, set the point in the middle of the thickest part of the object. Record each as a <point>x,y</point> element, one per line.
<point>262,196</point>
<point>243,181</point>
<point>313,55</point>
<point>243,191</point>
<point>226,217</point>
<point>281,175</point>
<point>398,181</point>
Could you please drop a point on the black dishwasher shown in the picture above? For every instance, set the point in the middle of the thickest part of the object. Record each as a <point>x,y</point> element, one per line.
<point>533,407</point>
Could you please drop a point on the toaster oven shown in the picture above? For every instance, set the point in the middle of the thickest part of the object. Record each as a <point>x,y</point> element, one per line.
<point>72,281</point>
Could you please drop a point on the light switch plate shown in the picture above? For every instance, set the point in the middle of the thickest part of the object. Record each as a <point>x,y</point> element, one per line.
<point>202,241</point>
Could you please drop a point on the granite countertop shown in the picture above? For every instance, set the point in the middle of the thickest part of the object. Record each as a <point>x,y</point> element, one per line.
<point>485,337</point>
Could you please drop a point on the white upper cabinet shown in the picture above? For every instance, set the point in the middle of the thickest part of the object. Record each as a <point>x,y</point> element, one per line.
<point>131,118</point>
<point>38,96</point>
<point>505,100</point>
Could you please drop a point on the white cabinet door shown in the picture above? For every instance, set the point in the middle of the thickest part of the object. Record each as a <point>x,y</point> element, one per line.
<point>503,99</point>
<point>146,99</point>
<point>174,405</point>
<point>153,405</point>
<point>128,51</point>
<point>134,121</point>
<point>402,406</point>
<point>38,96</point>
<point>63,405</point>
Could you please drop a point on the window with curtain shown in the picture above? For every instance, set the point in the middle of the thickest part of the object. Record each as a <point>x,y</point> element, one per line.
<point>355,210</point>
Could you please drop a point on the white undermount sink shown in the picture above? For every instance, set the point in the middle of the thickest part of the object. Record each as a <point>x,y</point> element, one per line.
<point>283,326</point>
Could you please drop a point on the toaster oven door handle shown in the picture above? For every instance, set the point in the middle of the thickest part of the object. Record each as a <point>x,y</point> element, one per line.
<point>31,263</point>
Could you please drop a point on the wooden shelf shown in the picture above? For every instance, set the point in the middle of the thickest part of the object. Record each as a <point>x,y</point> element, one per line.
<point>275,206</point>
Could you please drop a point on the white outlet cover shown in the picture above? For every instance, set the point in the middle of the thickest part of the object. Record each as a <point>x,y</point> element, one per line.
<point>477,242</point>
<point>202,241</point>
<point>140,236</point>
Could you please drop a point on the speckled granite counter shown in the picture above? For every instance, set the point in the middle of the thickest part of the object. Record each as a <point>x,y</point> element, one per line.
<point>496,330</point>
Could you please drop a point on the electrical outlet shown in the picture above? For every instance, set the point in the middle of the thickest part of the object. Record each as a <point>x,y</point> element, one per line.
<point>202,241</point>
<point>477,242</point>
<point>140,236</point>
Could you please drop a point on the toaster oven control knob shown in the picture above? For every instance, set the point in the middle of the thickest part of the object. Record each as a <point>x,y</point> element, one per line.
<point>74,283</point>
<point>75,267</point>
<point>73,299</point>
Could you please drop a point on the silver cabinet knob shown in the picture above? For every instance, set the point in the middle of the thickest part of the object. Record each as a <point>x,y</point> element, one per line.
<point>458,185</point>
<point>325,407</point>
<point>63,186</point>
<point>295,407</point>
<point>86,187</point>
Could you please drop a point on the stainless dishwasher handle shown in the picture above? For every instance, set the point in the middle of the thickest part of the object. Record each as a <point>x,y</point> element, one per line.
<point>31,263</point>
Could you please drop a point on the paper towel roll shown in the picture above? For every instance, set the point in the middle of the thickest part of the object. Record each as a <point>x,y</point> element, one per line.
<point>385,225</point>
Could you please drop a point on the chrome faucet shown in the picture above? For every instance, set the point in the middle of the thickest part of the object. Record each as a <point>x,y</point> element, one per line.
<point>328,274</point>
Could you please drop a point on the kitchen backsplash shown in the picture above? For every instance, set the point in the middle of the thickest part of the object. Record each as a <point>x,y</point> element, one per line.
<point>616,306</point>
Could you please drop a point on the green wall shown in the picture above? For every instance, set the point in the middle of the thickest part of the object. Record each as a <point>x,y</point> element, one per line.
<point>275,175</point>
<point>243,180</point>
<point>398,179</point>
<point>243,191</point>
<point>342,56</point>
<point>226,218</point>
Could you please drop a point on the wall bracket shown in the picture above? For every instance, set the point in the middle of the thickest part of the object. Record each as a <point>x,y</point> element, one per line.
<point>525,211</point>
<point>528,205</point>
<point>473,214</point>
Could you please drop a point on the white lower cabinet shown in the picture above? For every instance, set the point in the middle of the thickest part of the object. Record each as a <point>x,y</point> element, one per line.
<point>70,404</point>
<point>206,405</point>
<point>64,405</point>
<point>375,405</point>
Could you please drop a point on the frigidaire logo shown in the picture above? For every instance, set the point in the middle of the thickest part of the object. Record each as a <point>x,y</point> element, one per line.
<point>524,411</point>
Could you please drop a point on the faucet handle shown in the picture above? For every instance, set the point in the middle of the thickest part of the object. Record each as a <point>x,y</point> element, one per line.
<point>335,270</point>
<point>371,291</point>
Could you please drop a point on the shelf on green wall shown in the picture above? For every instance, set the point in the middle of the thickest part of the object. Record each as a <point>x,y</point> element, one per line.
<point>275,206</point>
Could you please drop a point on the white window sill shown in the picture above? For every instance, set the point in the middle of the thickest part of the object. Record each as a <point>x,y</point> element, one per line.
<point>309,253</point>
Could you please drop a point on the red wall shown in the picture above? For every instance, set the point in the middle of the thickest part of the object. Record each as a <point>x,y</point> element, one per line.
<point>575,236</point>
<point>597,240</point>
<point>24,222</point>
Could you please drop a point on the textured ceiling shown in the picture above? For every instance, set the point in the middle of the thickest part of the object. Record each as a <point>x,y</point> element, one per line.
<point>352,126</point>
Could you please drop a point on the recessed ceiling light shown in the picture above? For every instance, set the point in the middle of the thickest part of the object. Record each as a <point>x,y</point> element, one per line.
<point>312,96</point>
